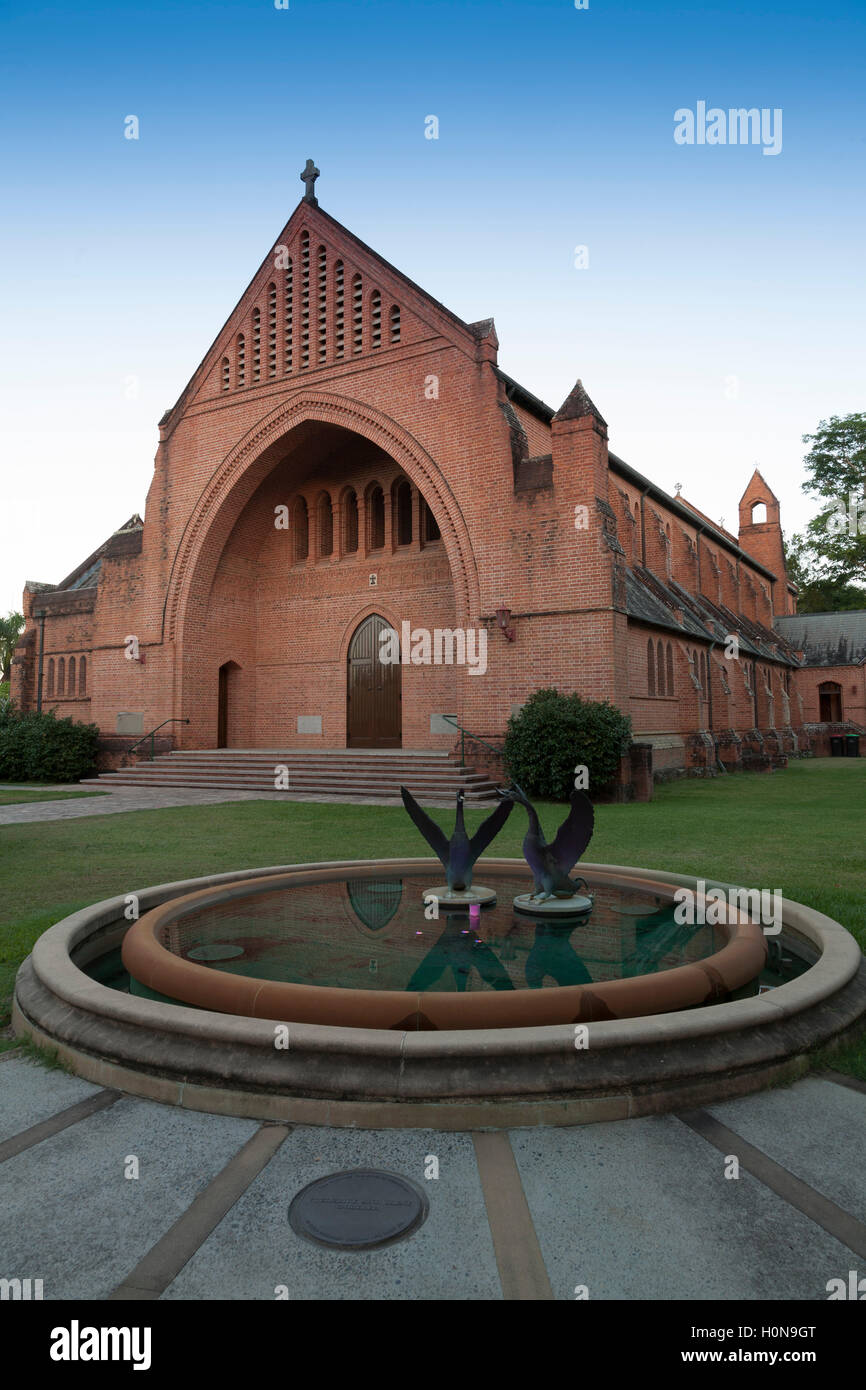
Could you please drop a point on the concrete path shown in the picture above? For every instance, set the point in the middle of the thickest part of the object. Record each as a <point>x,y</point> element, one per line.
<point>641,1209</point>
<point>135,799</point>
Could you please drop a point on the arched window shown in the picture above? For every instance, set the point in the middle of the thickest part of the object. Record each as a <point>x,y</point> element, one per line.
<point>403,512</point>
<point>82,676</point>
<point>669,662</point>
<point>376,515</point>
<point>305,299</point>
<point>759,513</point>
<point>395,323</point>
<point>376,318</point>
<point>226,374</point>
<point>301,530</point>
<point>61,676</point>
<point>660,668</point>
<point>323,304</point>
<point>70,676</point>
<point>257,344</point>
<point>272,331</point>
<point>289,291</point>
<point>431,530</point>
<point>340,318</point>
<point>358,314</point>
<point>241,359</point>
<point>326,525</point>
<point>350,522</point>
<point>51,675</point>
<point>703,672</point>
<point>650,667</point>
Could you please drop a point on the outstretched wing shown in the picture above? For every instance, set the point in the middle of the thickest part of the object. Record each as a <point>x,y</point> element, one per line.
<point>489,829</point>
<point>575,833</point>
<point>434,836</point>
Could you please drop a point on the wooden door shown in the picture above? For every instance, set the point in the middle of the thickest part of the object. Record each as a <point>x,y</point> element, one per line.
<point>830,702</point>
<point>373,691</point>
<point>223,709</point>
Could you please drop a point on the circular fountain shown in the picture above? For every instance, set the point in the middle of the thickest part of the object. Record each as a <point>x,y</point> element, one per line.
<point>322,993</point>
<point>282,947</point>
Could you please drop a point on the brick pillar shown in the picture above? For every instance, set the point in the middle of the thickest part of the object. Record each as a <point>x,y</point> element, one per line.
<point>641,769</point>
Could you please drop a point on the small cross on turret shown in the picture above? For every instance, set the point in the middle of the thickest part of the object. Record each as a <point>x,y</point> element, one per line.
<point>308,177</point>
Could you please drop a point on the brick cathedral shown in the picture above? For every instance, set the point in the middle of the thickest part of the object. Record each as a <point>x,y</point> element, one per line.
<point>349,457</point>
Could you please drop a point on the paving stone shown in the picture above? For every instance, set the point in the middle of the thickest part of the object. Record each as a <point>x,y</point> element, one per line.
<point>815,1129</point>
<point>30,1093</point>
<point>640,1209</point>
<point>254,1249</point>
<point>70,1217</point>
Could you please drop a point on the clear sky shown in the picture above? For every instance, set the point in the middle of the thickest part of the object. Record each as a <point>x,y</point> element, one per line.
<point>720,317</point>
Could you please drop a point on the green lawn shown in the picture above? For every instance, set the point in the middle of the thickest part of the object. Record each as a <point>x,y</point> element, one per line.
<point>800,830</point>
<point>28,792</point>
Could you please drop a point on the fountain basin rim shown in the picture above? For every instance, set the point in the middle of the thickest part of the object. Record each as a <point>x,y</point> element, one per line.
<point>159,969</point>
<point>54,968</point>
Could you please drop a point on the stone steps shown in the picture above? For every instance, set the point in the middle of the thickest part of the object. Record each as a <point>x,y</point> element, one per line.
<point>370,774</point>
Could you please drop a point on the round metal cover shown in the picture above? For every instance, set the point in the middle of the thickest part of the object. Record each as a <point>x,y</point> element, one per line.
<point>359,1209</point>
<point>217,952</point>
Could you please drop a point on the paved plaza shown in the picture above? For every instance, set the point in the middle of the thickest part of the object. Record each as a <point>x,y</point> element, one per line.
<point>638,1209</point>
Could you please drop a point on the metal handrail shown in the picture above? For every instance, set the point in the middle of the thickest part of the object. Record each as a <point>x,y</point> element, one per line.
<point>151,734</point>
<point>464,734</point>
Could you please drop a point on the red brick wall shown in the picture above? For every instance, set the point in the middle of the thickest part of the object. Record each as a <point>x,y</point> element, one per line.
<point>215,581</point>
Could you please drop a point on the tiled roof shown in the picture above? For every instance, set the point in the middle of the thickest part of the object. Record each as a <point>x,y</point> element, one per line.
<point>84,576</point>
<point>665,603</point>
<point>826,639</point>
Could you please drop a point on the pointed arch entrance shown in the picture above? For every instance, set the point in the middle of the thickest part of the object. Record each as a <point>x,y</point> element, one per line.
<point>227,703</point>
<point>373,690</point>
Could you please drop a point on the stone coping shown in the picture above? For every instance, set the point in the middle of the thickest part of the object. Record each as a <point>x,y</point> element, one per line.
<point>450,1080</point>
<point>155,966</point>
<point>52,963</point>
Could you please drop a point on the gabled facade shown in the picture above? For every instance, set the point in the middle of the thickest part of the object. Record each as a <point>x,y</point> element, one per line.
<point>350,459</point>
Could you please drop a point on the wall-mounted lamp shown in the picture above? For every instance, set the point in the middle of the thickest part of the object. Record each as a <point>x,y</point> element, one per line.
<point>502,616</point>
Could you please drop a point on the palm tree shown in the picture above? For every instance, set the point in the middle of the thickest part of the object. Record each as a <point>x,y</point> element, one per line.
<point>10,631</point>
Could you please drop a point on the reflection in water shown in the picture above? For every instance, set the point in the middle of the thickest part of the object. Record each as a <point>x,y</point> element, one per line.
<point>373,902</point>
<point>461,951</point>
<point>553,954</point>
<point>320,934</point>
<point>657,937</point>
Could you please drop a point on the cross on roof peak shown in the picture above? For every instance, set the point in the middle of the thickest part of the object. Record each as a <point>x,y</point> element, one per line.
<point>308,178</point>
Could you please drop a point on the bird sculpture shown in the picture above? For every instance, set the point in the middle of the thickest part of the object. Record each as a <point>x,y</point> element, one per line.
<point>458,855</point>
<point>552,864</point>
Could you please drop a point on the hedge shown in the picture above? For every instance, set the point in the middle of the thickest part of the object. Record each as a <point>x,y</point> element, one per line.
<point>554,733</point>
<point>43,748</point>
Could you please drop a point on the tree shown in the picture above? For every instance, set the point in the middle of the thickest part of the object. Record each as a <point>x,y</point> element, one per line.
<point>828,560</point>
<point>817,594</point>
<point>10,631</point>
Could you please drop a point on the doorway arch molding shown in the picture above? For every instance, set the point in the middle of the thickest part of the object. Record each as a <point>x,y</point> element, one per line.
<point>248,463</point>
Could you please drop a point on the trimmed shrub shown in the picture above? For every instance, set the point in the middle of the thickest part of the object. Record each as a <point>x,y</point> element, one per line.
<point>554,733</point>
<point>43,748</point>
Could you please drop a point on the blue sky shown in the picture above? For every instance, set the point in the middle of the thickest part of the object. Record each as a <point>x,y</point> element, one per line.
<point>721,315</point>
